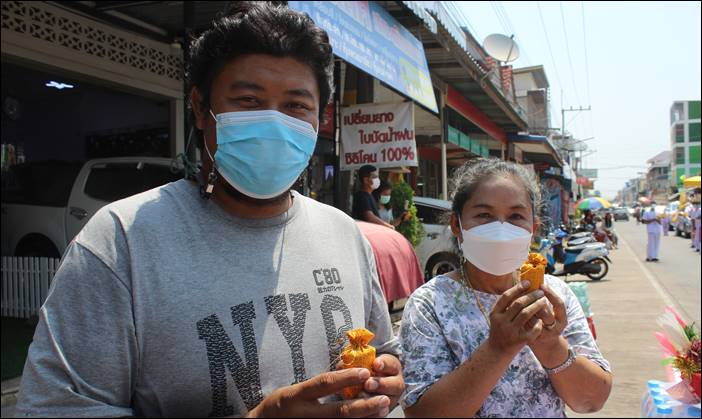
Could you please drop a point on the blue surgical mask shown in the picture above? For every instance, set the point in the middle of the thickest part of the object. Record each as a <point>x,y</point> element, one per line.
<point>262,153</point>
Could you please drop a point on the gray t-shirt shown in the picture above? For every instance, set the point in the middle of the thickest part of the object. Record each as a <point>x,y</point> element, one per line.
<point>166,305</point>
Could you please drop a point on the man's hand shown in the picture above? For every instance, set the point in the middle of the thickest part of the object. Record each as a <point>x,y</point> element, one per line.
<point>300,400</point>
<point>387,379</point>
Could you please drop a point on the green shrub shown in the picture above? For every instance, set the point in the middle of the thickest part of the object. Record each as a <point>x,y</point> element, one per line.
<point>410,227</point>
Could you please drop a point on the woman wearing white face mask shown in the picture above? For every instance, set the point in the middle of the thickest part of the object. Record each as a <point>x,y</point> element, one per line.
<point>478,343</point>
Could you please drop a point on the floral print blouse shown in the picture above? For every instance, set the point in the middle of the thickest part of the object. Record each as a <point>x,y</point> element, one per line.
<point>442,325</point>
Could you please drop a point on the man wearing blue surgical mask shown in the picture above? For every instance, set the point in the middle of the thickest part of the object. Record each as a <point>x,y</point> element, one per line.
<point>168,304</point>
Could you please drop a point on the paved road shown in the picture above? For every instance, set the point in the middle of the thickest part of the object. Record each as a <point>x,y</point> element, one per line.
<point>678,271</point>
<point>627,304</point>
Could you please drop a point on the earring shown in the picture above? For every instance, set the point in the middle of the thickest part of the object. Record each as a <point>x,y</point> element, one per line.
<point>206,190</point>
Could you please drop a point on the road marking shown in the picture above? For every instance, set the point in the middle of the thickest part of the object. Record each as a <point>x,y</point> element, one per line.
<point>665,295</point>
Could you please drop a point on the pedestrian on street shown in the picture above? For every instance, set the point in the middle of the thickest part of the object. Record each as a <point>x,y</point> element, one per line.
<point>608,219</point>
<point>665,222</point>
<point>653,229</point>
<point>689,211</point>
<point>383,196</point>
<point>231,296</point>
<point>477,343</point>
<point>697,224</point>
<point>365,206</point>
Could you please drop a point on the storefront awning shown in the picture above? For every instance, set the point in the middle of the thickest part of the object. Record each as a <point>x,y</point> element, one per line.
<point>537,149</point>
<point>457,59</point>
<point>420,12</point>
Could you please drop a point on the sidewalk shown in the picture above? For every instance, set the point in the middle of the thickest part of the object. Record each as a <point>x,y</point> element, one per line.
<point>626,305</point>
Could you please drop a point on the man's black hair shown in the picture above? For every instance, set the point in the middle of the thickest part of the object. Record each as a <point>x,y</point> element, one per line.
<point>260,27</point>
<point>365,171</point>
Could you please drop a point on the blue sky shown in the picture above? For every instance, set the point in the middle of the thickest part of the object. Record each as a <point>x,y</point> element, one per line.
<point>641,56</point>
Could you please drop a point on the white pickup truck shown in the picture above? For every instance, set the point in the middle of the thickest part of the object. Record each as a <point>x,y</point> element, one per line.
<point>50,202</point>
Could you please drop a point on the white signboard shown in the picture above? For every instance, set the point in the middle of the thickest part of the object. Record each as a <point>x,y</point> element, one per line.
<point>378,134</point>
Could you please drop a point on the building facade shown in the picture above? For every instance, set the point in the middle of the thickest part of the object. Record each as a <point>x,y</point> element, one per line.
<point>658,179</point>
<point>684,140</point>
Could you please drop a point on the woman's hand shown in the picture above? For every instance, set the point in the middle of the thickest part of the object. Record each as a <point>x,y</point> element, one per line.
<point>555,317</point>
<point>510,319</point>
<point>548,346</point>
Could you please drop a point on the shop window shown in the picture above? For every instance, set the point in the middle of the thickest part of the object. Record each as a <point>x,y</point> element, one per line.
<point>695,154</point>
<point>695,132</point>
<point>693,109</point>
<point>112,182</point>
<point>680,171</point>
<point>676,112</point>
<point>679,155</point>
<point>679,133</point>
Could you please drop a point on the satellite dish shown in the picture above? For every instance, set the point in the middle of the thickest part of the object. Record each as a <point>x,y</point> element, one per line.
<point>501,47</point>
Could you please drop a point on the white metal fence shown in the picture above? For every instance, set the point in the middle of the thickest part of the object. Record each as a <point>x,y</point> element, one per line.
<point>25,284</point>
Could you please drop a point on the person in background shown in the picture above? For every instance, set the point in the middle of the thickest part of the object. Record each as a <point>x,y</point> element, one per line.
<point>665,222</point>
<point>608,219</point>
<point>688,211</point>
<point>365,207</point>
<point>588,221</point>
<point>383,195</point>
<point>653,228</point>
<point>696,221</point>
<point>601,233</point>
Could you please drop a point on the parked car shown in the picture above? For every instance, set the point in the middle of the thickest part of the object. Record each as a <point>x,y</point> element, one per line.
<point>621,214</point>
<point>437,250</point>
<point>683,225</point>
<point>52,201</point>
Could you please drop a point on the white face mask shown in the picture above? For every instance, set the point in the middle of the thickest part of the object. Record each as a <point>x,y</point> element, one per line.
<point>496,248</point>
<point>376,183</point>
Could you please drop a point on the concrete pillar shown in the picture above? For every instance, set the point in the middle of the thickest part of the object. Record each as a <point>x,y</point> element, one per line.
<point>177,126</point>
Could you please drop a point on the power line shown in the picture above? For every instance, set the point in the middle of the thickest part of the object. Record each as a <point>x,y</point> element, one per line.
<point>623,167</point>
<point>548,43</point>
<point>499,18</point>
<point>570,62</point>
<point>459,15</point>
<point>503,11</point>
<point>587,68</point>
<point>573,118</point>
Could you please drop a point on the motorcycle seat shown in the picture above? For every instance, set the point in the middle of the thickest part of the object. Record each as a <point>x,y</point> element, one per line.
<point>580,247</point>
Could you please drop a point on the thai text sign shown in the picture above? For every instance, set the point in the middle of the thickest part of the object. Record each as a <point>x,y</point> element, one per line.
<point>367,36</point>
<point>378,134</point>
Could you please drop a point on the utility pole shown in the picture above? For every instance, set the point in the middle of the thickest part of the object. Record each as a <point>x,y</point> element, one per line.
<point>563,132</point>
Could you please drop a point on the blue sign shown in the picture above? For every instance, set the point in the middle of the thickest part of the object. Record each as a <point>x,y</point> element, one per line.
<point>365,35</point>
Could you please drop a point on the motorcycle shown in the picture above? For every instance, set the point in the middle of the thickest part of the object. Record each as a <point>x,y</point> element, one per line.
<point>590,259</point>
<point>577,239</point>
